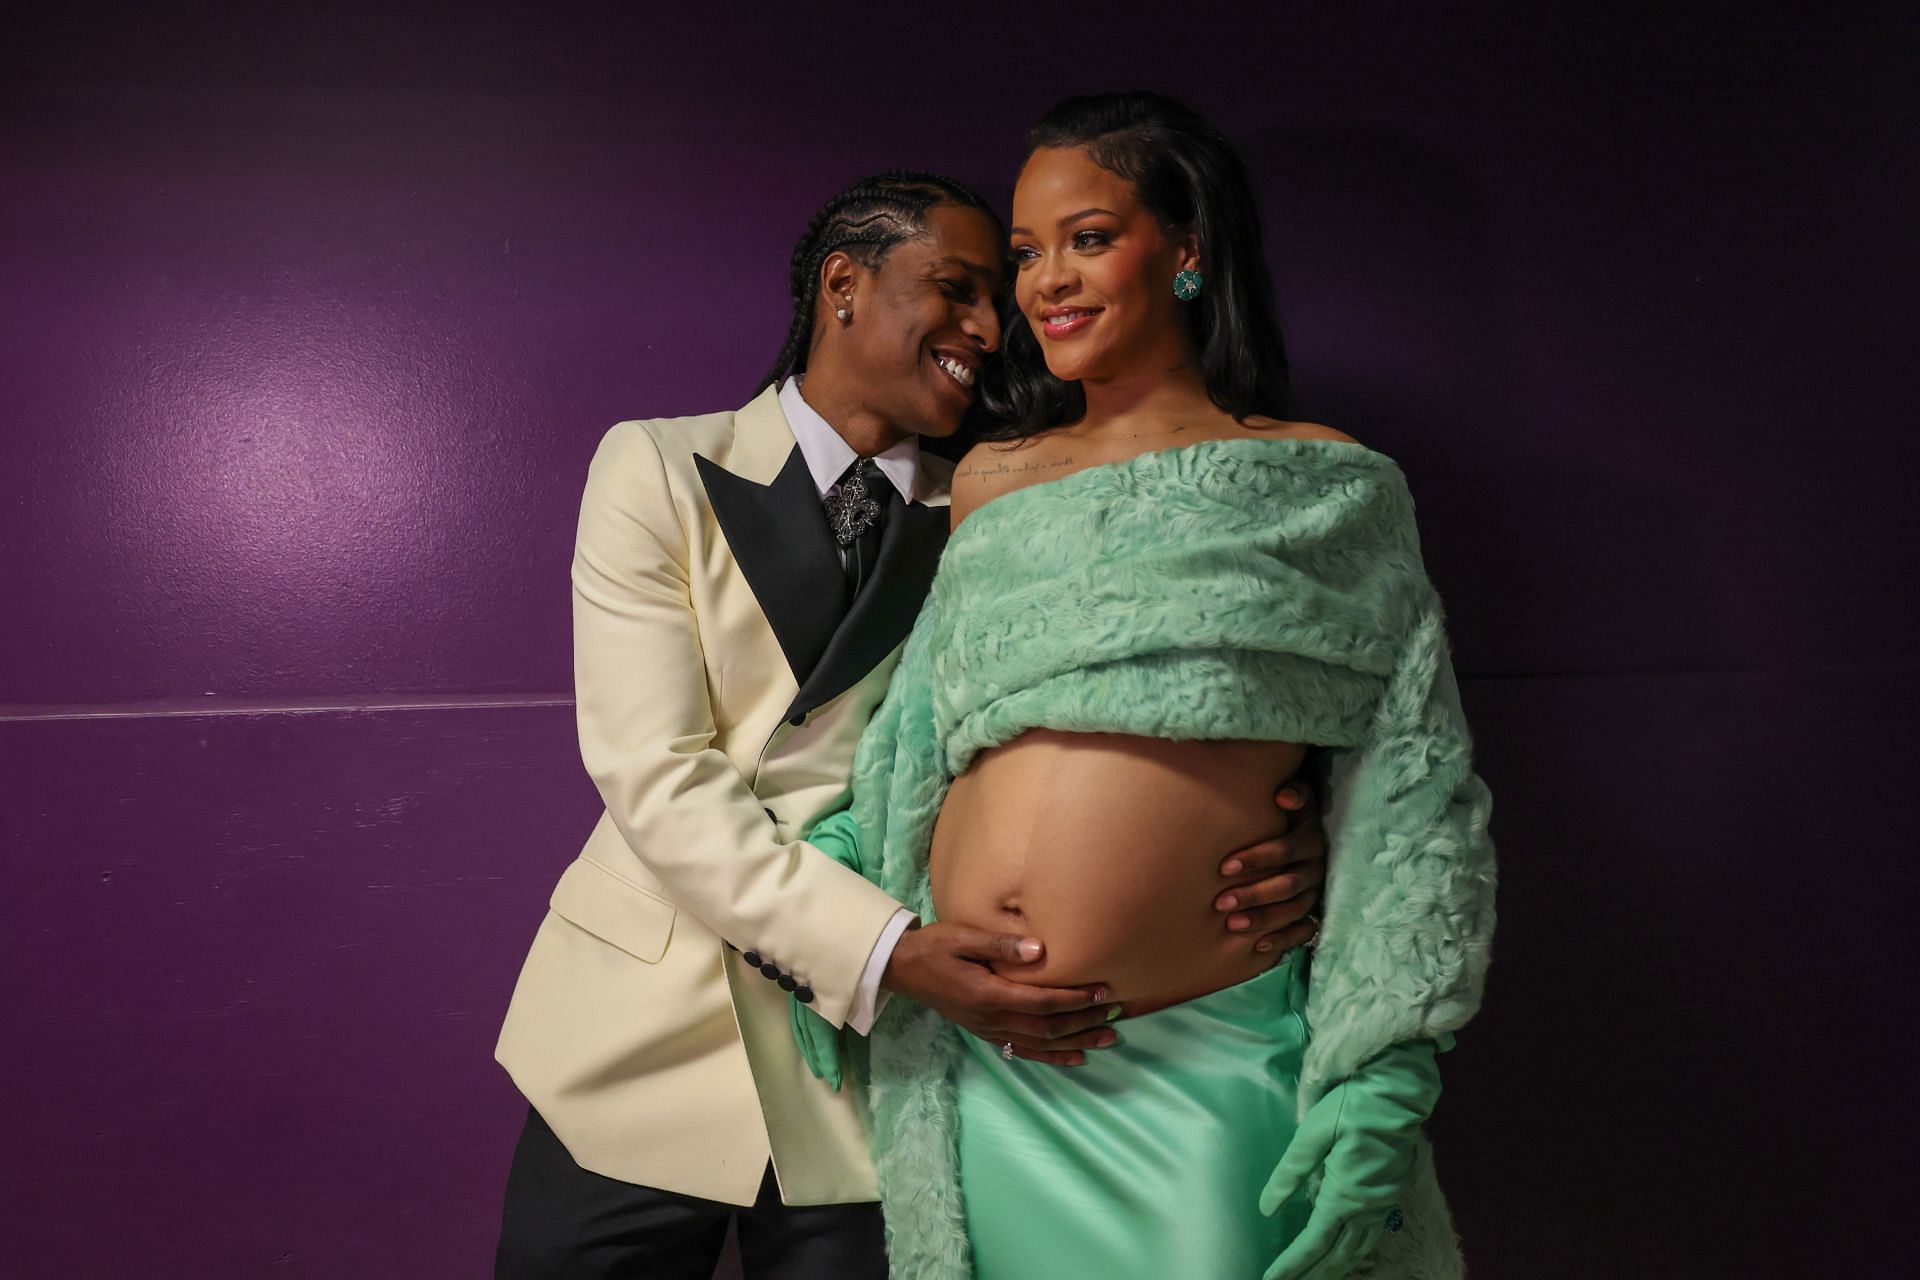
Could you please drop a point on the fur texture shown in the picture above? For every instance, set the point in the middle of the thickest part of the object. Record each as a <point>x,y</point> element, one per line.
<point>1255,588</point>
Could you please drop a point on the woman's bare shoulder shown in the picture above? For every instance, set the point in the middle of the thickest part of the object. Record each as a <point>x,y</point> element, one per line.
<point>1273,428</point>
<point>995,467</point>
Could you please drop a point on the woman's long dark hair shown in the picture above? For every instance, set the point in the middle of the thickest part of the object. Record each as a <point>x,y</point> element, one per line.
<point>1189,177</point>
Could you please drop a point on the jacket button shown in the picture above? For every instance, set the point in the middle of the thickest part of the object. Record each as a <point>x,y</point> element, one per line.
<point>753,958</point>
<point>804,995</point>
<point>786,982</point>
<point>769,970</point>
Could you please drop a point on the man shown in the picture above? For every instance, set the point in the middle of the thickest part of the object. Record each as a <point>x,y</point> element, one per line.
<point>742,584</point>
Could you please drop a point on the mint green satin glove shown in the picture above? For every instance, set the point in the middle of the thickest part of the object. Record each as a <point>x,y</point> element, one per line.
<point>838,836</point>
<point>1360,1138</point>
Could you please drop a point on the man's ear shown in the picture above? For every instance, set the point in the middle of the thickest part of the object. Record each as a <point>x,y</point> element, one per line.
<point>840,280</point>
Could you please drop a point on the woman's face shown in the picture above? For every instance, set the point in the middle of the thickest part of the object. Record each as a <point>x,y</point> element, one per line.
<point>924,321</point>
<point>1094,270</point>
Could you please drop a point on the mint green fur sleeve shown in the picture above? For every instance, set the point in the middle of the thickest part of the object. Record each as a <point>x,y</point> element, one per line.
<point>1408,912</point>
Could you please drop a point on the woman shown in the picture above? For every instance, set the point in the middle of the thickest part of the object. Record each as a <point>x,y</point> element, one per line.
<point>1159,595</point>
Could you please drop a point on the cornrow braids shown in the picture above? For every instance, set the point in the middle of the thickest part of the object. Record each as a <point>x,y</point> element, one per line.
<point>864,222</point>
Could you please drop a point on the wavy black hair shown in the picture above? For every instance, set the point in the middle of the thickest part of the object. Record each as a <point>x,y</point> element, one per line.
<point>865,222</point>
<point>1189,177</point>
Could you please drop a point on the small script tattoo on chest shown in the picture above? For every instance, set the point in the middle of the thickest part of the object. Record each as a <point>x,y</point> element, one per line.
<point>1025,467</point>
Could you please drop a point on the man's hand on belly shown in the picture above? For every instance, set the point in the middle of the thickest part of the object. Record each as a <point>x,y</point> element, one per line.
<point>945,967</point>
<point>1274,908</point>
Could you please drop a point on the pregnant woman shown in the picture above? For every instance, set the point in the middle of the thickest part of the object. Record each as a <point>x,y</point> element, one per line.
<point>1160,599</point>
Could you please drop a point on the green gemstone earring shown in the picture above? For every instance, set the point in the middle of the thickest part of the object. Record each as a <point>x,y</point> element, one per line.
<point>1186,285</point>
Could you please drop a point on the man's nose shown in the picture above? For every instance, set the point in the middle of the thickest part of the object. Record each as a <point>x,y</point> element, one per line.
<point>982,324</point>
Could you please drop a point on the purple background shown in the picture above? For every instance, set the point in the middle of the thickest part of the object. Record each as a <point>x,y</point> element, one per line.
<point>312,319</point>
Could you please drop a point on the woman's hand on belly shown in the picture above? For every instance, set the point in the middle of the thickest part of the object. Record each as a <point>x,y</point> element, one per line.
<point>951,968</point>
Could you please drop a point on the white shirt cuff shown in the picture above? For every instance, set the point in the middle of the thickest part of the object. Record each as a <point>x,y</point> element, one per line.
<point>868,998</point>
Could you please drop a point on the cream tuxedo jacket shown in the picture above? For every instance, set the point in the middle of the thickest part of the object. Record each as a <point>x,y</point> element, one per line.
<point>720,697</point>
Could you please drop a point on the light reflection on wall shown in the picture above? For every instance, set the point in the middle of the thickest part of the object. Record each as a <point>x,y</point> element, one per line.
<point>308,467</point>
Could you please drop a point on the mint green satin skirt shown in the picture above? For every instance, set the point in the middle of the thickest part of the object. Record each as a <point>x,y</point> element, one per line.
<point>1149,1160</point>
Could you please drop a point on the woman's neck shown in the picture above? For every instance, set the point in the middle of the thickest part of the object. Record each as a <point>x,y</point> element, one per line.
<point>1165,396</point>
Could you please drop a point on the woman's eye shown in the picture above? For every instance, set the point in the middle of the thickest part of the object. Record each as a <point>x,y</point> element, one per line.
<point>1023,254</point>
<point>1089,239</point>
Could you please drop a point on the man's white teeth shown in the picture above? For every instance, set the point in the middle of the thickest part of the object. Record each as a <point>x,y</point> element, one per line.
<point>960,373</point>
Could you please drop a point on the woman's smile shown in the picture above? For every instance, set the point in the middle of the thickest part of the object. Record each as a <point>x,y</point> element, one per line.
<point>1064,322</point>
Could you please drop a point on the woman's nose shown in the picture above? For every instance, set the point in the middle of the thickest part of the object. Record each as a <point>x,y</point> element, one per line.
<point>1055,273</point>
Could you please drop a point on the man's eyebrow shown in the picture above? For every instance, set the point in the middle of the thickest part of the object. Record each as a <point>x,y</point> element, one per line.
<point>1069,220</point>
<point>965,264</point>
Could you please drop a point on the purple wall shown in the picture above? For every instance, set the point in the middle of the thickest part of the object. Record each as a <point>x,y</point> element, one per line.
<point>311,322</point>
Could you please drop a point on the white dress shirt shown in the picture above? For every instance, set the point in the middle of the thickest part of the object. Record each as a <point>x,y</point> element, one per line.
<point>828,456</point>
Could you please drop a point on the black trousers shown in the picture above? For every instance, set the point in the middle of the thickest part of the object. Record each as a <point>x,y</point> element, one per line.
<point>563,1222</point>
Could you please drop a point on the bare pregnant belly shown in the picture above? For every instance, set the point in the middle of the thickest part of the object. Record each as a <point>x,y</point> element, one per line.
<point>1108,848</point>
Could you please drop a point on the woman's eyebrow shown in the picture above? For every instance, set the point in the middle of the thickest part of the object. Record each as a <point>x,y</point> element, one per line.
<point>1069,220</point>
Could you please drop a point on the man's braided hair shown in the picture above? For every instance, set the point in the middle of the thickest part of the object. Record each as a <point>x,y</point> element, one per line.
<point>864,222</point>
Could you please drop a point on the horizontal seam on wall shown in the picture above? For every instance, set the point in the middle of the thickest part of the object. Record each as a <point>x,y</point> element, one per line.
<point>188,708</point>
<point>200,708</point>
<point>1654,673</point>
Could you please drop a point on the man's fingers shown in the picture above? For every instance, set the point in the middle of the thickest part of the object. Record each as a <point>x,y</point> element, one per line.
<point>1294,798</point>
<point>1281,941</point>
<point>1277,915</point>
<point>1268,856</point>
<point>1287,886</point>
<point>997,948</point>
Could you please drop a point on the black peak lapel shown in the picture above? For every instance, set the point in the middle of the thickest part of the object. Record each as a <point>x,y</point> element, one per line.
<point>884,611</point>
<point>778,535</point>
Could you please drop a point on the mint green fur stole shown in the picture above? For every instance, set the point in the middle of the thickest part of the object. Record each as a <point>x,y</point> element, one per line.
<point>1251,588</point>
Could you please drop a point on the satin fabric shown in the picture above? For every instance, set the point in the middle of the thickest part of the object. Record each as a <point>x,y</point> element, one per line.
<point>1147,1161</point>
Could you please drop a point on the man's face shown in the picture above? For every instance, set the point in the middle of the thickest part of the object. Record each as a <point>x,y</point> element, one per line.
<point>924,322</point>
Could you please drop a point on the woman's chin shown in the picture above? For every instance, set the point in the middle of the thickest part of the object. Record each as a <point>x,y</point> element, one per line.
<point>1066,369</point>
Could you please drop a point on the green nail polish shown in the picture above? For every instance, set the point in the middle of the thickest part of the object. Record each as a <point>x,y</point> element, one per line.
<point>1113,1014</point>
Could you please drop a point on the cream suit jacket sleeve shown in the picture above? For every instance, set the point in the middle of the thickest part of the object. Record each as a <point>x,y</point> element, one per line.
<point>647,733</point>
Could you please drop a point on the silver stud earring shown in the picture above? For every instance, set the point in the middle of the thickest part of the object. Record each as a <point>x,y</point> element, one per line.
<point>842,312</point>
<point>845,313</point>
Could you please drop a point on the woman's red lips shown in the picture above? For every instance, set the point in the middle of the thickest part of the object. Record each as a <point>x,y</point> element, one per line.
<point>1058,322</point>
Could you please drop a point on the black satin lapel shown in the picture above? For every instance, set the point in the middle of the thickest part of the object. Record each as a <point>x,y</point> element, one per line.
<point>778,535</point>
<point>884,611</point>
